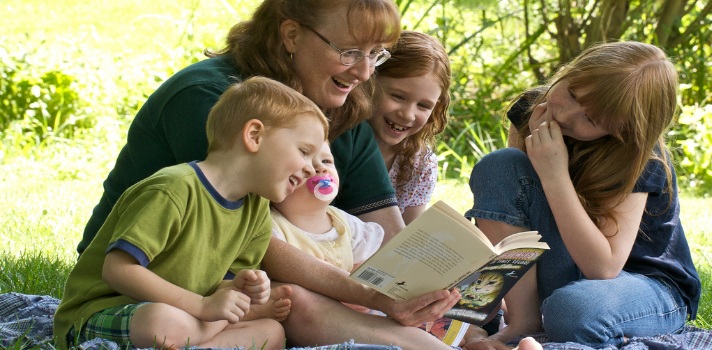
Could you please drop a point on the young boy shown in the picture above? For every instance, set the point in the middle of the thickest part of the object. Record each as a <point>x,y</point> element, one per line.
<point>173,264</point>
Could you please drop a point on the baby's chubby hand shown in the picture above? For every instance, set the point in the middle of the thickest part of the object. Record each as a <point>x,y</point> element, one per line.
<point>253,283</point>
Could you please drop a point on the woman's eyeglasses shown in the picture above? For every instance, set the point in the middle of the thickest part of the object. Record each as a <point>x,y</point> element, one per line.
<point>352,56</point>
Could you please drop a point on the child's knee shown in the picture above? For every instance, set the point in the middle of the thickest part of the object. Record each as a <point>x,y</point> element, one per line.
<point>158,324</point>
<point>272,331</point>
<point>570,315</point>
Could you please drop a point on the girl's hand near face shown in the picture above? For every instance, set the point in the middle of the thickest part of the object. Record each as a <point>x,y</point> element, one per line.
<point>546,148</point>
<point>539,115</point>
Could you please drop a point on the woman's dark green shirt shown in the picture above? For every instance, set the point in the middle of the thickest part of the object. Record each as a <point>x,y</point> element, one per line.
<point>170,129</point>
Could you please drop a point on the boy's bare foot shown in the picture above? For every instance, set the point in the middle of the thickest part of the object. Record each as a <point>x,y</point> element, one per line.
<point>277,307</point>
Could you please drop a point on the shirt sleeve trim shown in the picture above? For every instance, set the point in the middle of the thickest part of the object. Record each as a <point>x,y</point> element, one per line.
<point>380,204</point>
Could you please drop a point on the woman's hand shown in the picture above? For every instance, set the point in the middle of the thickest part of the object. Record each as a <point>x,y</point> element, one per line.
<point>425,308</point>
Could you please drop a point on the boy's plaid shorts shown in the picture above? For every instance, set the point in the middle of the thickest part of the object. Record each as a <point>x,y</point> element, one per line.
<point>111,324</point>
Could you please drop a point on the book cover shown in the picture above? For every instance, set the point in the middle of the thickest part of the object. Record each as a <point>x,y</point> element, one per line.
<point>482,293</point>
<point>449,331</point>
<point>440,249</point>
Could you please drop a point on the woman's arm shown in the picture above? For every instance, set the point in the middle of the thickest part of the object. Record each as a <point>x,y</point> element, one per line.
<point>410,213</point>
<point>389,218</point>
<point>286,263</point>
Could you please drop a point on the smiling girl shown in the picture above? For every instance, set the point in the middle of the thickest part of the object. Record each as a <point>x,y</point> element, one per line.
<point>593,175</point>
<point>411,105</point>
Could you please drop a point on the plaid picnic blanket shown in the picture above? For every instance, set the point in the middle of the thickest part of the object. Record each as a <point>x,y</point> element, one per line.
<point>27,319</point>
<point>691,338</point>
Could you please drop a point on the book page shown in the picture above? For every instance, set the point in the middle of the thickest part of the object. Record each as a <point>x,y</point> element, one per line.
<point>462,220</point>
<point>527,239</point>
<point>434,252</point>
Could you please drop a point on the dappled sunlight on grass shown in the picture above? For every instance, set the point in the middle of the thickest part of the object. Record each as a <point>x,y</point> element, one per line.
<point>454,192</point>
<point>45,203</point>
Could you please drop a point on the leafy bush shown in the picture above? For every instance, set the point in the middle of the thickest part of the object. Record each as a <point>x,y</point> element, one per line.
<point>692,143</point>
<point>38,105</point>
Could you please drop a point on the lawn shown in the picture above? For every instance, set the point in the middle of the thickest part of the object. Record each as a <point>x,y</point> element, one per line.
<point>46,200</point>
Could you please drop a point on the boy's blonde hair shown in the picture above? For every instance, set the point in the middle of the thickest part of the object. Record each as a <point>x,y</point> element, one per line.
<point>630,89</point>
<point>271,102</point>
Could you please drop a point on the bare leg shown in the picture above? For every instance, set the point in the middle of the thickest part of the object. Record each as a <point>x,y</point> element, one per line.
<point>161,325</point>
<point>277,307</point>
<point>263,333</point>
<point>318,320</point>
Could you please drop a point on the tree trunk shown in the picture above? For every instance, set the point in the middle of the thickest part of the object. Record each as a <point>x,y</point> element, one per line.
<point>669,21</point>
<point>567,33</point>
<point>608,23</point>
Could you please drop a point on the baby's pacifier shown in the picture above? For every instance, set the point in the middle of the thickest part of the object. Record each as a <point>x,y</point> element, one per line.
<point>323,187</point>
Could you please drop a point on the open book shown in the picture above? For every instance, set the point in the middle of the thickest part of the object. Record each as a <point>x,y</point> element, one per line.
<point>441,249</point>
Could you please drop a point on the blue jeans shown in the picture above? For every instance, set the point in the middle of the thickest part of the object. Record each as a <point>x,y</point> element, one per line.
<point>592,312</point>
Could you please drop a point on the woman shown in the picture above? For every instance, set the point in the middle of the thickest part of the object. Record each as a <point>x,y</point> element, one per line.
<point>326,49</point>
<point>170,127</point>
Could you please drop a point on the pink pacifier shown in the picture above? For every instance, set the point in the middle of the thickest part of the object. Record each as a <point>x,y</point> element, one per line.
<point>323,187</point>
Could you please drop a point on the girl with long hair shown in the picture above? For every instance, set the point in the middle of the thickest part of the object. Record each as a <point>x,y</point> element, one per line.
<point>590,171</point>
<point>411,109</point>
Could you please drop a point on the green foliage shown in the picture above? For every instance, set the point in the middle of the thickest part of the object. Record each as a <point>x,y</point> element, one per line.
<point>692,147</point>
<point>468,145</point>
<point>704,268</point>
<point>694,214</point>
<point>39,104</point>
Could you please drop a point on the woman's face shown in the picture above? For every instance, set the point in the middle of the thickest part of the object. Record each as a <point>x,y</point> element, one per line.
<point>325,80</point>
<point>403,106</point>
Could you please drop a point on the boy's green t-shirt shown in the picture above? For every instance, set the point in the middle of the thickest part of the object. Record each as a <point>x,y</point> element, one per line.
<point>170,129</point>
<point>188,234</point>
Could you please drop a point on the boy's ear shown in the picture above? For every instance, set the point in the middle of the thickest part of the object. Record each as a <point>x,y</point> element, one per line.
<point>253,134</point>
<point>289,29</point>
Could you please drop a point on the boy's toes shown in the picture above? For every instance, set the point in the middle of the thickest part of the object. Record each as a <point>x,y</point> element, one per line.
<point>281,309</point>
<point>281,292</point>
